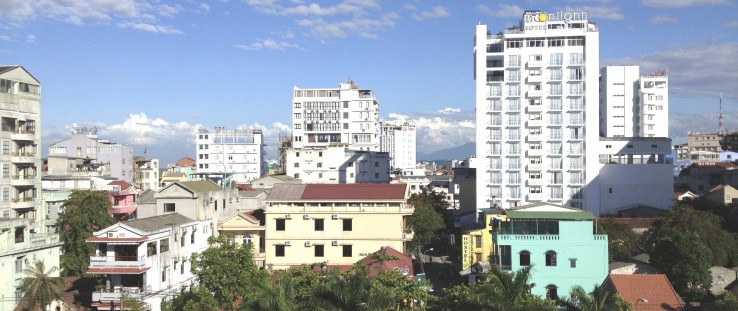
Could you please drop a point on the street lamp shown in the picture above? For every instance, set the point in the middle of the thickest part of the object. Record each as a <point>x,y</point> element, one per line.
<point>644,300</point>
<point>422,260</point>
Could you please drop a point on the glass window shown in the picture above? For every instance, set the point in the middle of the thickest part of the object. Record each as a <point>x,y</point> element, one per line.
<point>347,225</point>
<point>524,258</point>
<point>279,250</point>
<point>550,259</point>
<point>280,223</point>
<point>319,250</point>
<point>347,250</point>
<point>319,224</point>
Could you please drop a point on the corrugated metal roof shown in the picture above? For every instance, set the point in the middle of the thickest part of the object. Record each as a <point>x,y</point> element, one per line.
<point>550,215</point>
<point>338,192</point>
<point>151,224</point>
<point>200,185</point>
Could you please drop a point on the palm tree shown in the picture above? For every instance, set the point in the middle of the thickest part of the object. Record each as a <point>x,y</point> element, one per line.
<point>507,291</point>
<point>599,299</point>
<point>39,287</point>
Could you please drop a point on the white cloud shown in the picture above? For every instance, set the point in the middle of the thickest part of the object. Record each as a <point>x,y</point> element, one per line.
<point>169,10</point>
<point>435,12</point>
<point>694,70</point>
<point>31,39</point>
<point>449,110</point>
<point>731,25</point>
<point>4,38</point>
<point>682,3</point>
<point>364,27</point>
<point>503,10</point>
<point>269,44</point>
<point>151,28</point>
<point>663,19</point>
<point>203,8</point>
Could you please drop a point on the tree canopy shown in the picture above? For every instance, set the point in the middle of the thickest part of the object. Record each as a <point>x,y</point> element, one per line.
<point>623,243</point>
<point>430,218</point>
<point>85,211</point>
<point>39,288</point>
<point>686,262</point>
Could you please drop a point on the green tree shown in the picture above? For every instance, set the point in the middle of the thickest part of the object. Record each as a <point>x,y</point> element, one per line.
<point>196,299</point>
<point>623,243</point>
<point>727,302</point>
<point>686,262</point>
<point>39,288</point>
<point>85,211</point>
<point>228,271</point>
<point>130,303</point>
<point>428,219</point>
<point>599,299</point>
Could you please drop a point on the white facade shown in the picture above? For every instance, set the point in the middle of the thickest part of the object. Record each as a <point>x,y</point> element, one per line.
<point>337,165</point>
<point>632,105</point>
<point>20,247</point>
<point>149,259</point>
<point>85,155</point>
<point>399,141</point>
<point>20,138</point>
<point>146,174</point>
<point>634,171</point>
<point>654,105</point>
<point>346,115</point>
<point>537,107</point>
<point>237,153</point>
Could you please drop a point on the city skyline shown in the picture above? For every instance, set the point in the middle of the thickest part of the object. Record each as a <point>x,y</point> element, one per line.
<point>148,73</point>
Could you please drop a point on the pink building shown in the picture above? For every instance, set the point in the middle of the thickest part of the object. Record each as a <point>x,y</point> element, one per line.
<point>122,196</point>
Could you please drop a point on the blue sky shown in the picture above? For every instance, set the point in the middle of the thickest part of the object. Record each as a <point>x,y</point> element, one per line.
<point>148,72</point>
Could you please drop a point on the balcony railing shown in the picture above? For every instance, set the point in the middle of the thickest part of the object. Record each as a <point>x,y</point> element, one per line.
<point>117,261</point>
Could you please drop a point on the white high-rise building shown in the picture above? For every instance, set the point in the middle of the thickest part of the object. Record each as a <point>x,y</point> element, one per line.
<point>398,139</point>
<point>235,153</point>
<point>347,115</point>
<point>632,105</point>
<point>537,108</point>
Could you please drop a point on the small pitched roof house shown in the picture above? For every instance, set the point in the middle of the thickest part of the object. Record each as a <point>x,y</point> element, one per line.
<point>645,291</point>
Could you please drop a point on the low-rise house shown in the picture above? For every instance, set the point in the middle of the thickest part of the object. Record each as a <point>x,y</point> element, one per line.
<point>20,247</point>
<point>722,194</point>
<point>559,243</point>
<point>476,240</point>
<point>721,277</point>
<point>644,291</point>
<point>148,259</point>
<point>247,228</point>
<point>122,197</point>
<point>334,223</point>
<point>198,200</point>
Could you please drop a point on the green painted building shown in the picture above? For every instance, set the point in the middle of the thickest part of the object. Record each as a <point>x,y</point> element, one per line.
<point>560,243</point>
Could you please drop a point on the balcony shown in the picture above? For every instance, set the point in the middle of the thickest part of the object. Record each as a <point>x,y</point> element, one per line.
<point>496,181</point>
<point>536,123</point>
<point>495,108</point>
<point>576,122</point>
<point>535,182</point>
<point>535,137</point>
<point>23,180</point>
<point>576,92</point>
<point>576,107</point>
<point>576,137</point>
<point>408,235</point>
<point>23,203</point>
<point>494,137</point>
<point>556,181</point>
<point>495,168</point>
<point>576,151</point>
<point>513,123</point>
<point>535,93</point>
<point>513,137</point>
<point>534,167</point>
<point>576,167</point>
<point>514,64</point>
<point>556,167</point>
<point>535,152</point>
<point>535,79</point>
<point>23,157</point>
<point>117,263</point>
<point>494,79</point>
<point>536,197</point>
<point>115,295</point>
<point>494,95</point>
<point>514,94</point>
<point>554,137</point>
<point>513,167</point>
<point>577,181</point>
<point>123,209</point>
<point>22,135</point>
<point>535,64</point>
<point>514,181</point>
<point>535,108</point>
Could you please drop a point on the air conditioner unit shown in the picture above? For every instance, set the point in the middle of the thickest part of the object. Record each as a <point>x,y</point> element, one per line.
<point>288,243</point>
<point>288,216</point>
<point>307,244</point>
<point>334,243</point>
<point>112,234</point>
<point>334,216</point>
<point>306,216</point>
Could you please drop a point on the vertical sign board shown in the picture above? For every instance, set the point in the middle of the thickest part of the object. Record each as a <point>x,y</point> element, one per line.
<point>465,252</point>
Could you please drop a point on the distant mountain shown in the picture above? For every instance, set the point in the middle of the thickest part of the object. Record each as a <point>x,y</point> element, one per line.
<point>456,153</point>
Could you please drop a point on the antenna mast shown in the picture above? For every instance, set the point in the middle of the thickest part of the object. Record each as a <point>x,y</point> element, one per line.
<point>721,126</point>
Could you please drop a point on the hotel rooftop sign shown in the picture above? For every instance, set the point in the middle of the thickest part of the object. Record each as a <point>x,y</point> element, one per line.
<point>542,17</point>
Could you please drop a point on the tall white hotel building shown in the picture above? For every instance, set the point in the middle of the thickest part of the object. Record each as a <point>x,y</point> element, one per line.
<point>537,105</point>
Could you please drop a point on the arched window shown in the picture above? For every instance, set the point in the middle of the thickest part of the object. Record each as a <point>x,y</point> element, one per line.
<point>524,258</point>
<point>552,292</point>
<point>246,239</point>
<point>550,259</point>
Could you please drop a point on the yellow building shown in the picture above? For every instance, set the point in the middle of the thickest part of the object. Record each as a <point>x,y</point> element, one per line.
<point>246,227</point>
<point>476,241</point>
<point>334,223</point>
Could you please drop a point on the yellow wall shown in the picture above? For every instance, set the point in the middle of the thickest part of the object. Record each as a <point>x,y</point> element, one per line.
<point>470,252</point>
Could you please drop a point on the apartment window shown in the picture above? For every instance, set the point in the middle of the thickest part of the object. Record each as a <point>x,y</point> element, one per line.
<point>572,262</point>
<point>182,240</point>
<point>20,234</point>
<point>552,292</point>
<point>298,126</point>
<point>6,170</point>
<point>6,194</point>
<point>192,237</point>
<point>551,259</point>
<point>319,224</point>
<point>298,105</point>
<point>280,222</point>
<point>347,250</point>
<point>19,265</point>
<point>279,250</point>
<point>151,249</point>
<point>181,268</point>
<point>298,115</point>
<point>348,225</point>
<point>524,258</point>
<point>246,239</point>
<point>320,164</point>
<point>477,241</point>
<point>319,250</point>
<point>164,245</point>
<point>164,275</point>
<point>6,86</point>
<point>169,207</point>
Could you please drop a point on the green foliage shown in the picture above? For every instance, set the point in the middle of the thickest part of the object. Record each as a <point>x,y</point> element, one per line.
<point>623,243</point>
<point>39,288</point>
<point>228,271</point>
<point>727,302</point>
<point>599,299</point>
<point>686,262</point>
<point>430,218</point>
<point>85,211</point>
<point>191,300</point>
<point>131,303</point>
<point>707,228</point>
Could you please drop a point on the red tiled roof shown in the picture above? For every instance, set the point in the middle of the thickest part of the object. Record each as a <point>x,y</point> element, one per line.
<point>119,270</point>
<point>250,215</point>
<point>354,192</point>
<point>403,262</point>
<point>122,183</point>
<point>655,289</point>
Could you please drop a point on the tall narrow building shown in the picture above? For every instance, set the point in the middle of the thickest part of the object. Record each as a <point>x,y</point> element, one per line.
<point>236,154</point>
<point>537,103</point>
<point>398,139</point>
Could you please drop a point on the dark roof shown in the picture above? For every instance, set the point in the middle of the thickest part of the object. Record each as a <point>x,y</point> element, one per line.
<point>155,223</point>
<point>338,192</point>
<point>148,196</point>
<point>632,223</point>
<point>200,185</point>
<point>4,69</point>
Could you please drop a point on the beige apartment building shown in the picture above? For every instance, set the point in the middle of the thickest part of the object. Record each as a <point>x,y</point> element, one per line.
<point>338,224</point>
